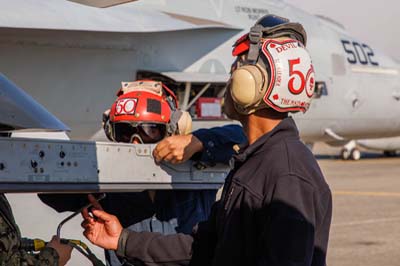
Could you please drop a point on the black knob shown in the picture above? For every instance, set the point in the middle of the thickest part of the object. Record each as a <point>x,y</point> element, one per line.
<point>41,154</point>
<point>2,166</point>
<point>34,164</point>
<point>62,154</point>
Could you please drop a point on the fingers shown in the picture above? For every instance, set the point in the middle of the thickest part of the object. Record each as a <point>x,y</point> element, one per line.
<point>173,157</point>
<point>94,202</point>
<point>85,224</point>
<point>106,217</point>
<point>88,231</point>
<point>85,214</point>
<point>168,152</point>
<point>161,151</point>
<point>177,149</point>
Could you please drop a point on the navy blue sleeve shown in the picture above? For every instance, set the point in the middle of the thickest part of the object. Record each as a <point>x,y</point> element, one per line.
<point>218,142</point>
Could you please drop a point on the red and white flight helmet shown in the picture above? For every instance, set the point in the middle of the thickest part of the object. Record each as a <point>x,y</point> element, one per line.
<point>273,68</point>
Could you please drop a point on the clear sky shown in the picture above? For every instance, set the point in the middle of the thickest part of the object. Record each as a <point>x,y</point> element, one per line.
<point>374,22</point>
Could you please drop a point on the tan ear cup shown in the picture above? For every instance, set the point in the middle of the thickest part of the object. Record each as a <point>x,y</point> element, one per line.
<point>185,123</point>
<point>248,86</point>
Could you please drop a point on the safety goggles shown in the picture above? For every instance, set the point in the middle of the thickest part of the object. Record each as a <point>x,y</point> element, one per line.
<point>145,132</point>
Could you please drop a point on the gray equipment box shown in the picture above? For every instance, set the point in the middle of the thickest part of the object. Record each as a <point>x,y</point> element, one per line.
<point>37,165</point>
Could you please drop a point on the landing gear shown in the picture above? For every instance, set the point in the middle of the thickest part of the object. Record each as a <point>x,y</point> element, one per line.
<point>390,153</point>
<point>350,152</point>
<point>345,154</point>
<point>353,154</point>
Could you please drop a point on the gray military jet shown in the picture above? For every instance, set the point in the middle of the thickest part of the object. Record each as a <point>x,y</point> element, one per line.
<point>71,57</point>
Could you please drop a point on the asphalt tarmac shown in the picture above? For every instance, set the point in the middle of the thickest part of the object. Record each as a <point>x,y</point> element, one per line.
<point>366,220</point>
<point>366,208</point>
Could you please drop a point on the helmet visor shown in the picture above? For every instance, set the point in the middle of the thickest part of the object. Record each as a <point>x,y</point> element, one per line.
<point>148,132</point>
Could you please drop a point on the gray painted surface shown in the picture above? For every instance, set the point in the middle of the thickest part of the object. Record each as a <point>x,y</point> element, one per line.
<point>21,111</point>
<point>75,73</point>
<point>372,21</point>
<point>65,15</point>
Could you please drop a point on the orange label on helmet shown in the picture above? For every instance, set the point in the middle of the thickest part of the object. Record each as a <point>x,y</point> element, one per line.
<point>126,106</point>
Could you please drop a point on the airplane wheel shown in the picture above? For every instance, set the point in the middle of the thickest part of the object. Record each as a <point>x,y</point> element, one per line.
<point>390,153</point>
<point>355,155</point>
<point>345,154</point>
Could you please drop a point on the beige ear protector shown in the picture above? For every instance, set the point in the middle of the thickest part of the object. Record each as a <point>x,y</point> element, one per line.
<point>185,123</point>
<point>248,86</point>
<point>180,121</point>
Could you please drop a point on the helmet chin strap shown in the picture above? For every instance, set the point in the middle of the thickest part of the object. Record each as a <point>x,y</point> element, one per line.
<point>138,137</point>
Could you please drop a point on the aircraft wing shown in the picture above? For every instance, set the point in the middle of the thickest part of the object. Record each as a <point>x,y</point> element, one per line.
<point>101,3</point>
<point>196,77</point>
<point>18,110</point>
<point>66,15</point>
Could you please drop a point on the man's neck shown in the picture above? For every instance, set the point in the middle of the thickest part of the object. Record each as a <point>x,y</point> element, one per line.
<point>257,125</point>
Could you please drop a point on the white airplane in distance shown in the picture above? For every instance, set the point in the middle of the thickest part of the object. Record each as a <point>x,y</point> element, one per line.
<point>72,57</point>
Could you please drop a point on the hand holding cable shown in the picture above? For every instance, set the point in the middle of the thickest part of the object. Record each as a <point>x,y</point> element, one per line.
<point>101,229</point>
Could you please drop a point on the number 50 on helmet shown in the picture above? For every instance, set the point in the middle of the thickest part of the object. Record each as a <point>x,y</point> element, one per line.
<point>273,69</point>
<point>146,110</point>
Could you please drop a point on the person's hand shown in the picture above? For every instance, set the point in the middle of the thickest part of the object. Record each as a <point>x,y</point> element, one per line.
<point>177,149</point>
<point>103,229</point>
<point>64,251</point>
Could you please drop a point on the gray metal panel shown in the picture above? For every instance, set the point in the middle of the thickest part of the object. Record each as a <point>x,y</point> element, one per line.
<point>74,166</point>
<point>385,144</point>
<point>21,111</point>
<point>194,77</point>
<point>65,15</point>
<point>101,3</point>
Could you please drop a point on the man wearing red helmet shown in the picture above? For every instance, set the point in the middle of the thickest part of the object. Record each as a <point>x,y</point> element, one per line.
<point>146,112</point>
<point>276,206</point>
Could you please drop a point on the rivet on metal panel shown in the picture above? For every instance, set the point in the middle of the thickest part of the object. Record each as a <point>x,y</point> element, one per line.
<point>154,174</point>
<point>34,164</point>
